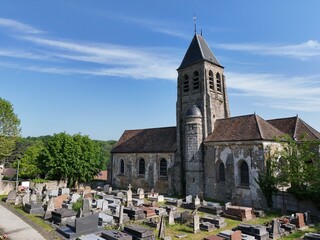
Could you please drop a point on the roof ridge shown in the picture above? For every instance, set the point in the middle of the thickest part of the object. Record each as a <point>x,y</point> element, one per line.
<point>201,50</point>
<point>139,129</point>
<point>248,115</point>
<point>311,129</point>
<point>280,118</point>
<point>258,125</point>
<point>295,128</point>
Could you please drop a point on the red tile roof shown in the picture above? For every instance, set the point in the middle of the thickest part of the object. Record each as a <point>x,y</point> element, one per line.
<point>147,141</point>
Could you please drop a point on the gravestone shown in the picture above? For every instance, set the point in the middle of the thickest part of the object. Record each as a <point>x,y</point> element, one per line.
<point>120,195</point>
<point>18,200</point>
<point>312,236</point>
<point>11,197</point>
<point>115,235</point>
<point>106,188</point>
<point>196,223</point>
<point>49,209</point>
<point>197,202</point>
<point>299,221</point>
<point>207,226</point>
<point>105,206</point>
<point>121,215</point>
<point>110,190</point>
<point>64,191</point>
<point>86,207</point>
<point>25,199</point>
<point>139,232</point>
<point>219,222</point>
<point>33,198</point>
<point>171,217</point>
<point>33,208</point>
<point>54,193</point>
<point>86,190</point>
<point>63,216</point>
<point>105,220</point>
<point>161,234</point>
<point>140,193</point>
<point>307,218</point>
<point>129,196</point>
<point>81,226</point>
<point>258,231</point>
<point>189,199</point>
<point>75,197</point>
<point>275,232</point>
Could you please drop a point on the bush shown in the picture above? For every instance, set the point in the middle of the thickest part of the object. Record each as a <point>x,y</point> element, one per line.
<point>77,205</point>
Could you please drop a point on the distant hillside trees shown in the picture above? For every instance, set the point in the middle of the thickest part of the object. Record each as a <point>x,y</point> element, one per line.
<point>9,128</point>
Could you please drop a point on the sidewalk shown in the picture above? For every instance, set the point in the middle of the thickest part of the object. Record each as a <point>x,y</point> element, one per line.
<point>16,228</point>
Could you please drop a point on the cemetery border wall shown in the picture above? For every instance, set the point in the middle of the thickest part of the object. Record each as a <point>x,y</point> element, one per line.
<point>287,202</point>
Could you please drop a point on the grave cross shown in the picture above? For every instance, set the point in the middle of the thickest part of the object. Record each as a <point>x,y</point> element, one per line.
<point>129,187</point>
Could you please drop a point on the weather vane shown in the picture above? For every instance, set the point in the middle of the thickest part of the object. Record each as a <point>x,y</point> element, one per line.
<point>195,24</point>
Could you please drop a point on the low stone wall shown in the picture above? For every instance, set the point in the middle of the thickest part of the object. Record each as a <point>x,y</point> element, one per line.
<point>287,202</point>
<point>50,185</point>
<point>7,186</point>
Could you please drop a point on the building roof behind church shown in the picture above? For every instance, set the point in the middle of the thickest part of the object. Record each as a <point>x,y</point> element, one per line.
<point>153,140</point>
<point>243,128</point>
<point>295,128</point>
<point>198,51</point>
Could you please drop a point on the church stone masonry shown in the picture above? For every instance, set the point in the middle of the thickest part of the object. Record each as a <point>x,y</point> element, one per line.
<point>209,152</point>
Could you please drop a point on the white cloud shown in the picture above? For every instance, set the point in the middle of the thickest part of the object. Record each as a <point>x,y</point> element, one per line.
<point>278,91</point>
<point>18,26</point>
<point>305,50</point>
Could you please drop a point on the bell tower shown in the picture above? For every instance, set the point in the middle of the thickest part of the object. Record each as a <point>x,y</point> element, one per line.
<point>201,99</point>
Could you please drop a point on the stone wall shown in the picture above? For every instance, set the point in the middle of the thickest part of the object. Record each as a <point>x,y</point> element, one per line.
<point>7,186</point>
<point>151,179</point>
<point>288,203</point>
<point>254,153</point>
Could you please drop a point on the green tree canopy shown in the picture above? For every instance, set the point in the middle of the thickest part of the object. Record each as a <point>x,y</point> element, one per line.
<point>9,128</point>
<point>299,168</point>
<point>72,158</point>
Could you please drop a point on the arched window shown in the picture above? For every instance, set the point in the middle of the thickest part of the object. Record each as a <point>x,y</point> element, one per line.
<point>222,175</point>
<point>163,167</point>
<point>219,87</point>
<point>244,174</point>
<point>122,166</point>
<point>211,84</point>
<point>195,80</point>
<point>185,83</point>
<point>142,168</point>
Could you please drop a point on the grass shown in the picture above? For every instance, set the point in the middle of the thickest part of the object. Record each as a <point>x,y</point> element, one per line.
<point>2,197</point>
<point>35,219</point>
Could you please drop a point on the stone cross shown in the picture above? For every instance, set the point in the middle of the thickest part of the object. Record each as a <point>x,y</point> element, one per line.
<point>121,215</point>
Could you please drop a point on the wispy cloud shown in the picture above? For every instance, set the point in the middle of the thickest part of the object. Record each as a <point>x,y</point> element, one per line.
<point>18,26</point>
<point>278,91</point>
<point>305,50</point>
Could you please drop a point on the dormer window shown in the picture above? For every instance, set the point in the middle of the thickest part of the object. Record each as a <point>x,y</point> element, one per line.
<point>196,80</point>
<point>185,83</point>
<point>219,86</point>
<point>211,84</point>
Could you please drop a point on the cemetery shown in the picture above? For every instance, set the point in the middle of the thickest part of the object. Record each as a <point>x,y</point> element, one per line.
<point>107,213</point>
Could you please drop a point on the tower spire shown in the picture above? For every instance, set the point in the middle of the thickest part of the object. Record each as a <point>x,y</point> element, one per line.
<point>195,24</point>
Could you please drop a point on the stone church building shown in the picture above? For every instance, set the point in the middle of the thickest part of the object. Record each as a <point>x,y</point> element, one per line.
<point>208,153</point>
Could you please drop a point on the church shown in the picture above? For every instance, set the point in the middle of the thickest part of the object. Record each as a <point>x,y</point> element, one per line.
<point>209,153</point>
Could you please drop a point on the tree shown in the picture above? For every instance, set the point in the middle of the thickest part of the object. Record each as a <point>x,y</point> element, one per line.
<point>71,158</point>
<point>299,168</point>
<point>9,128</point>
<point>29,167</point>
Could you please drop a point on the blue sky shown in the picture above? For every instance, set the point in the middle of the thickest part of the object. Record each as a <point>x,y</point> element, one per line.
<point>100,67</point>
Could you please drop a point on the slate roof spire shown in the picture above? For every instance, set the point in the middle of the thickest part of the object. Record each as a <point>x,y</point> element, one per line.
<point>198,51</point>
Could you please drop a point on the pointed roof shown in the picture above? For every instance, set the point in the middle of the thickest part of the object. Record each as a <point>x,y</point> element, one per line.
<point>198,51</point>
<point>243,128</point>
<point>161,140</point>
<point>295,127</point>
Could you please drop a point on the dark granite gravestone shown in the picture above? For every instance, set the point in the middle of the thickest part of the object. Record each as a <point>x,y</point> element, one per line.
<point>135,213</point>
<point>173,201</point>
<point>63,216</point>
<point>139,232</point>
<point>234,235</point>
<point>33,208</point>
<point>312,236</point>
<point>115,235</point>
<point>185,217</point>
<point>307,218</point>
<point>84,225</point>
<point>288,227</point>
<point>11,197</point>
<point>258,231</point>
